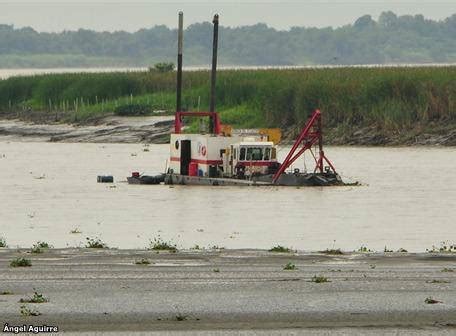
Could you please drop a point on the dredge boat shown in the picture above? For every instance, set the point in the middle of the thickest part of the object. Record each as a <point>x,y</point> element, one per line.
<point>223,156</point>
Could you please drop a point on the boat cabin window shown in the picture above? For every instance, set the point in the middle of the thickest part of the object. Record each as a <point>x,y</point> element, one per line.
<point>254,154</point>
<point>242,154</point>
<point>267,154</point>
<point>274,154</point>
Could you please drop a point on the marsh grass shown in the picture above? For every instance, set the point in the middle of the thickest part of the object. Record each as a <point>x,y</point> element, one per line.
<point>391,99</point>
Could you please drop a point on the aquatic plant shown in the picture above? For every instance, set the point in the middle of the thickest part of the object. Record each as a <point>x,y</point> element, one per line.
<point>290,267</point>
<point>20,262</point>
<point>142,261</point>
<point>95,243</point>
<point>430,300</point>
<point>76,231</point>
<point>319,279</point>
<point>158,244</point>
<point>437,281</point>
<point>26,311</point>
<point>445,247</point>
<point>39,247</point>
<point>332,251</point>
<point>447,270</point>
<point>364,249</point>
<point>3,242</point>
<point>280,249</point>
<point>36,298</point>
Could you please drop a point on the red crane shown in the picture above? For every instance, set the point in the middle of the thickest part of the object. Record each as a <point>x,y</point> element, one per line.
<point>310,135</point>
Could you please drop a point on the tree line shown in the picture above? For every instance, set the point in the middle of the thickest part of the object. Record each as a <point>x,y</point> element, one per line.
<point>390,39</point>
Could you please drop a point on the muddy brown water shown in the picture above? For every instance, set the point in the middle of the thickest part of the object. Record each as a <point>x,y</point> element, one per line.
<point>49,189</point>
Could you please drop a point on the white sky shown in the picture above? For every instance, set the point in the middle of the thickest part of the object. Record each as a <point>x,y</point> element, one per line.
<point>58,15</point>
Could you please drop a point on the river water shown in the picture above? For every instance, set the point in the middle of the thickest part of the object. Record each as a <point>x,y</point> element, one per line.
<point>408,200</point>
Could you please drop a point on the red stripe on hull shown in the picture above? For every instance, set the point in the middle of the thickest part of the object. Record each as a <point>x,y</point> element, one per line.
<point>205,162</point>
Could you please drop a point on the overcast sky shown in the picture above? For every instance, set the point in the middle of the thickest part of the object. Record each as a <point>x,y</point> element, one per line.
<point>58,15</point>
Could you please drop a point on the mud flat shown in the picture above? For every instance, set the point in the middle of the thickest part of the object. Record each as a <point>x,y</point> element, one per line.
<point>103,290</point>
<point>154,129</point>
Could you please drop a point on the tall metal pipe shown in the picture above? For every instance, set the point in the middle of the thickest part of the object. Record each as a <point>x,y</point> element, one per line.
<point>180,38</point>
<point>214,63</point>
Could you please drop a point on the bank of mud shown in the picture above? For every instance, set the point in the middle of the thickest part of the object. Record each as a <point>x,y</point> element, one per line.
<point>107,290</point>
<point>156,130</point>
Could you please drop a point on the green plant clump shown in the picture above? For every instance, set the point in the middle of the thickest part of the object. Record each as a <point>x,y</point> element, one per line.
<point>95,243</point>
<point>332,252</point>
<point>158,244</point>
<point>26,311</point>
<point>3,242</point>
<point>39,247</point>
<point>36,298</point>
<point>290,267</point>
<point>142,261</point>
<point>20,262</point>
<point>280,249</point>
<point>319,279</point>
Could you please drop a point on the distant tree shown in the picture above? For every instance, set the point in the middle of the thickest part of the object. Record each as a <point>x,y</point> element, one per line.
<point>164,67</point>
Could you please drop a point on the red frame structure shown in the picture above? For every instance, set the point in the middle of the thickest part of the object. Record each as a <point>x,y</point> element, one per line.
<point>310,135</point>
<point>213,115</point>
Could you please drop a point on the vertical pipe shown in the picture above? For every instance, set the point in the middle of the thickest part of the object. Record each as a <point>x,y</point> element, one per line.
<point>180,36</point>
<point>214,70</point>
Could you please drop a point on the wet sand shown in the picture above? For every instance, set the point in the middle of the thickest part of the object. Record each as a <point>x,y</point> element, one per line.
<point>205,290</point>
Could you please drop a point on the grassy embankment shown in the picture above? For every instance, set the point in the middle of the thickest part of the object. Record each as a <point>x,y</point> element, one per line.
<point>387,103</point>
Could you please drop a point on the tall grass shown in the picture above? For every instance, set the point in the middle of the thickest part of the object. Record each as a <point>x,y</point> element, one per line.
<point>390,98</point>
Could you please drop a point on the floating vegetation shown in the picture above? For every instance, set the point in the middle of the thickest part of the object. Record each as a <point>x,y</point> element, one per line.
<point>76,231</point>
<point>448,270</point>
<point>364,249</point>
<point>439,281</point>
<point>430,300</point>
<point>3,242</point>
<point>40,246</point>
<point>280,249</point>
<point>26,311</point>
<point>21,262</point>
<point>319,279</point>
<point>216,270</point>
<point>95,243</point>
<point>158,244</point>
<point>36,298</point>
<point>290,267</point>
<point>6,293</point>
<point>445,247</point>
<point>332,251</point>
<point>143,261</point>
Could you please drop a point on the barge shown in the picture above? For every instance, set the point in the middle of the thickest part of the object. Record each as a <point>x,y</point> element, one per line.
<point>222,156</point>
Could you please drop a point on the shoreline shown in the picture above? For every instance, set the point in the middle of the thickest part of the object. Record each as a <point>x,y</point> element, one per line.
<point>100,290</point>
<point>156,130</point>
